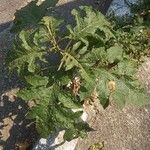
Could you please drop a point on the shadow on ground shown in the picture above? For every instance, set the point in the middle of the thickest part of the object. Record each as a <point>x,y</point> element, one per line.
<point>15,128</point>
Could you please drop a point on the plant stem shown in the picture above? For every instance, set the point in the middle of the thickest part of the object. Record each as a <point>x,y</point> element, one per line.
<point>53,39</point>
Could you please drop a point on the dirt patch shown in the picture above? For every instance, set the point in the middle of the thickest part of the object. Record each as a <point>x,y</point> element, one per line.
<point>127,129</point>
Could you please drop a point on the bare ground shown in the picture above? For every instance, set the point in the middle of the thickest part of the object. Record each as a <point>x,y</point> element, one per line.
<point>127,129</point>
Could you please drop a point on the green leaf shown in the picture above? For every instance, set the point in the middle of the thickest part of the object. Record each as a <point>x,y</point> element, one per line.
<point>84,92</point>
<point>88,24</point>
<point>96,55</point>
<point>124,94</point>
<point>70,134</point>
<point>51,26</point>
<point>76,46</point>
<point>25,54</point>
<point>43,127</point>
<point>40,112</point>
<point>68,100</point>
<point>62,117</point>
<point>31,14</point>
<point>37,80</point>
<point>69,62</point>
<point>41,37</point>
<point>80,130</point>
<point>103,90</point>
<point>114,53</point>
<point>126,67</point>
<point>41,116</point>
<point>34,93</point>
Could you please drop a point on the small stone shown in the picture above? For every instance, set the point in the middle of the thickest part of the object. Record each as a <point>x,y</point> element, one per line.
<point>20,123</point>
<point>19,107</point>
<point>43,141</point>
<point>13,117</point>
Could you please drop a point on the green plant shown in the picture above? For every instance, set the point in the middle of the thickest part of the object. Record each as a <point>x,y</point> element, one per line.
<point>61,71</point>
<point>142,6</point>
<point>135,39</point>
<point>133,31</point>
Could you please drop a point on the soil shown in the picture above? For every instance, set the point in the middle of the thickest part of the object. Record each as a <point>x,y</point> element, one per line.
<point>127,129</point>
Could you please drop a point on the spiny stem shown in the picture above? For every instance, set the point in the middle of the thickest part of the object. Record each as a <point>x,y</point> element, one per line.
<point>69,43</point>
<point>53,39</point>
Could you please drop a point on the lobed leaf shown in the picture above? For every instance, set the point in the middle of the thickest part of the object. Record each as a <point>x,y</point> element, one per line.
<point>114,53</point>
<point>37,80</point>
<point>123,94</point>
<point>88,24</point>
<point>25,54</point>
